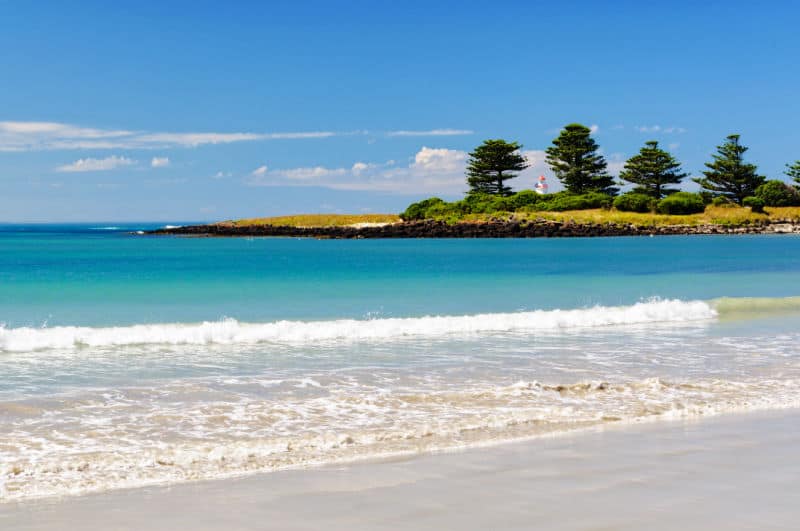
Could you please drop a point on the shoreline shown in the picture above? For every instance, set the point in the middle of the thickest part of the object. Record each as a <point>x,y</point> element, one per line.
<point>727,472</point>
<point>490,229</point>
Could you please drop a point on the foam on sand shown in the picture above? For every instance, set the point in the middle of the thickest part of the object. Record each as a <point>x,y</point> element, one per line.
<point>130,438</point>
<point>733,472</point>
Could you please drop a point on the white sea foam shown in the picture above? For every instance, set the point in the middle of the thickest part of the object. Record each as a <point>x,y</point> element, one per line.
<point>220,412</point>
<point>230,331</point>
<point>132,438</point>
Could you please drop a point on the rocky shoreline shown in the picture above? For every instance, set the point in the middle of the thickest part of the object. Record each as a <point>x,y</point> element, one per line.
<point>492,229</point>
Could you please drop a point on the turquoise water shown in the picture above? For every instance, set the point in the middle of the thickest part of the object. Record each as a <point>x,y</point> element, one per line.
<point>132,360</point>
<point>75,275</point>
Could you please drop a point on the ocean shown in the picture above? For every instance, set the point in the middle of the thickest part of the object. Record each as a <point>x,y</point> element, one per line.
<point>132,360</point>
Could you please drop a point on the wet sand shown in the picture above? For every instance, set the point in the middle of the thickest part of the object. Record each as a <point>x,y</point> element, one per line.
<point>728,472</point>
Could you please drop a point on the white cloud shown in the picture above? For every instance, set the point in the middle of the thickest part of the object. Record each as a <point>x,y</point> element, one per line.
<point>536,161</point>
<point>432,132</point>
<point>36,136</point>
<point>594,128</point>
<point>432,170</point>
<point>440,160</point>
<point>261,170</point>
<point>311,174</point>
<point>659,129</point>
<point>362,167</point>
<point>221,175</point>
<point>28,136</point>
<point>90,164</point>
<point>293,136</point>
<point>200,139</point>
<point>616,163</point>
<point>673,146</point>
<point>58,129</point>
<point>159,162</point>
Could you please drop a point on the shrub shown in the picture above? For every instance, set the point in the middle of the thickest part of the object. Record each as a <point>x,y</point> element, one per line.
<point>566,201</point>
<point>681,203</point>
<point>477,203</point>
<point>777,194</point>
<point>722,201</point>
<point>633,202</point>
<point>438,210</point>
<point>707,196</point>
<point>501,204</point>
<point>756,204</point>
<point>419,210</point>
<point>525,198</point>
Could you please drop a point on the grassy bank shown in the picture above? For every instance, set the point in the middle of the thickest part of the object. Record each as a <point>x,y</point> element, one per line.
<point>713,215</point>
<point>316,220</point>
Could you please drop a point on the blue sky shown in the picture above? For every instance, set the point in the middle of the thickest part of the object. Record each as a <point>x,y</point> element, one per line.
<point>216,110</point>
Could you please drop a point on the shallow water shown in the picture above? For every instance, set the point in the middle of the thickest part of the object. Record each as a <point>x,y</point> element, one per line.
<point>132,360</point>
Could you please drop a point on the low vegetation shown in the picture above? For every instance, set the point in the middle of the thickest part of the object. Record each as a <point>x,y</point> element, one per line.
<point>635,202</point>
<point>317,220</point>
<point>778,194</point>
<point>716,215</point>
<point>726,214</point>
<point>681,203</point>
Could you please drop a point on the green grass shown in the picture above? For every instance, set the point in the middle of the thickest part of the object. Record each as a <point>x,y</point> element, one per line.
<point>315,220</point>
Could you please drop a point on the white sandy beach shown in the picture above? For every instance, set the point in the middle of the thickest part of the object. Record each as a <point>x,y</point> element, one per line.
<point>727,472</point>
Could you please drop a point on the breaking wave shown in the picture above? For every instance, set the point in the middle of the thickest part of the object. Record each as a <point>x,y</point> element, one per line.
<point>231,331</point>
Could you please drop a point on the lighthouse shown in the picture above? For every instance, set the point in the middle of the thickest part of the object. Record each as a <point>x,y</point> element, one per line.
<point>541,186</point>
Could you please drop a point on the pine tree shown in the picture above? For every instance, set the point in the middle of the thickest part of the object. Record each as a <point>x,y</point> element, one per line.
<point>793,171</point>
<point>491,164</point>
<point>728,175</point>
<point>653,169</point>
<point>574,159</point>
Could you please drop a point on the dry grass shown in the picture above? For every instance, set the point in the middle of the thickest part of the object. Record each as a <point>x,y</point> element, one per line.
<point>784,213</point>
<point>316,220</point>
<point>717,215</point>
<point>712,215</point>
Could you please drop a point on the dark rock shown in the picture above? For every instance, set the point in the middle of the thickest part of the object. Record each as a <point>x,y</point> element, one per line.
<point>494,229</point>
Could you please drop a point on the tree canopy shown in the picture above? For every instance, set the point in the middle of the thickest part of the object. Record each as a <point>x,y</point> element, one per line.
<point>793,171</point>
<point>575,160</point>
<point>491,164</point>
<point>728,175</point>
<point>653,169</point>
